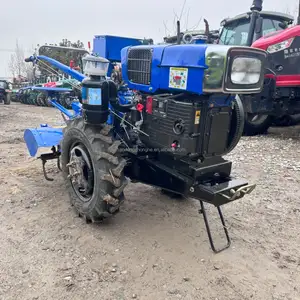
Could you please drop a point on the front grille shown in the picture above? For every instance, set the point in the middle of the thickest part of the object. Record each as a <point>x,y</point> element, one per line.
<point>139,66</point>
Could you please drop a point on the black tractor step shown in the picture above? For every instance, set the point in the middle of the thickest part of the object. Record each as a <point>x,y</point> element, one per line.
<point>222,193</point>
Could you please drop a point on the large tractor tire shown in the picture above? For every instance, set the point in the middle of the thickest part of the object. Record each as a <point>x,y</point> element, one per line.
<point>40,99</point>
<point>93,170</point>
<point>68,102</point>
<point>7,99</point>
<point>256,124</point>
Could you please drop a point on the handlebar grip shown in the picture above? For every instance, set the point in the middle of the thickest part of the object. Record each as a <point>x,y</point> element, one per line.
<point>28,59</point>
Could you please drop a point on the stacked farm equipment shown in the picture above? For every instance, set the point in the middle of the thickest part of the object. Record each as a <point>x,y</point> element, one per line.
<point>66,89</point>
<point>38,95</point>
<point>193,36</point>
<point>167,125</point>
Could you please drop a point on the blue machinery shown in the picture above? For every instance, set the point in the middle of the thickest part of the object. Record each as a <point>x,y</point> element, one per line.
<point>188,108</point>
<point>110,47</point>
<point>48,137</point>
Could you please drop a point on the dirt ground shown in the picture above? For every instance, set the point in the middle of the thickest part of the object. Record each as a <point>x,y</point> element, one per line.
<point>156,247</point>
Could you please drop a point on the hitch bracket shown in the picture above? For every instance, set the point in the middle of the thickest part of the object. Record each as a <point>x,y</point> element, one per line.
<point>55,154</point>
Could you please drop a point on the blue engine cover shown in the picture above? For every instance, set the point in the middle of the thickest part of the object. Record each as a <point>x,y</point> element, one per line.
<point>171,68</point>
<point>110,46</point>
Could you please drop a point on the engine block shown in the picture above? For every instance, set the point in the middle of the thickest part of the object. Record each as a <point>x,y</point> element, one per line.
<point>187,126</point>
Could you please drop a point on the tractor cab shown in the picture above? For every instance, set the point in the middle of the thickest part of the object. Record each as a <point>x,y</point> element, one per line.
<point>236,30</point>
<point>264,30</point>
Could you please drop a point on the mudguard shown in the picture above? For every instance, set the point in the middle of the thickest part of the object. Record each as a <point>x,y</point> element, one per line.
<point>43,137</point>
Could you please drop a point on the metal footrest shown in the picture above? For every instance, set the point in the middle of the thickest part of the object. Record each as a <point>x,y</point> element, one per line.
<point>222,193</point>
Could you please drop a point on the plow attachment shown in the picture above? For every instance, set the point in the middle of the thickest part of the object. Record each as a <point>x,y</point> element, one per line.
<point>44,137</point>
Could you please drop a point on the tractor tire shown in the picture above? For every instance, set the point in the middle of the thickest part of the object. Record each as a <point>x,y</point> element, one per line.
<point>68,102</point>
<point>93,170</point>
<point>257,124</point>
<point>7,99</point>
<point>40,99</point>
<point>62,101</point>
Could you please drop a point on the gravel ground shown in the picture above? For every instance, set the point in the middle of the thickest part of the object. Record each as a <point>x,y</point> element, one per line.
<point>156,247</point>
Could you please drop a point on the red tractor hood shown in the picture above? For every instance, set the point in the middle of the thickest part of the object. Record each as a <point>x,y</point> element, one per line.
<point>276,37</point>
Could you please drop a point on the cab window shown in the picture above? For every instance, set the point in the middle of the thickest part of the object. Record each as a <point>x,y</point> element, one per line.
<point>270,26</point>
<point>236,33</point>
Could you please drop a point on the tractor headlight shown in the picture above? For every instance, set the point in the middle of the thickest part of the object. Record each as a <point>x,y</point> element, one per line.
<point>280,46</point>
<point>245,70</point>
<point>239,70</point>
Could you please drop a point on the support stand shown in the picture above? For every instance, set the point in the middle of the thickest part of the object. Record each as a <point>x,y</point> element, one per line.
<point>203,212</point>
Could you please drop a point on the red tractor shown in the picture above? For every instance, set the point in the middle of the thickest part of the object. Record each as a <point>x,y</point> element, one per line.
<point>273,32</point>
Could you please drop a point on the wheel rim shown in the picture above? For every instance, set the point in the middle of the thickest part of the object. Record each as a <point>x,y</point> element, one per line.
<point>81,172</point>
<point>256,119</point>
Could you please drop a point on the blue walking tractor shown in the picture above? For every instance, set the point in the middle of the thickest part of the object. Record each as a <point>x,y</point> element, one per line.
<point>170,130</point>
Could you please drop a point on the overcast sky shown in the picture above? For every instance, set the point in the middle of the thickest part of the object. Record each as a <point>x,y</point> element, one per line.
<point>35,22</point>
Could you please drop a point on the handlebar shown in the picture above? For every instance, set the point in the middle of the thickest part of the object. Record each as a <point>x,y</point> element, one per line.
<point>28,59</point>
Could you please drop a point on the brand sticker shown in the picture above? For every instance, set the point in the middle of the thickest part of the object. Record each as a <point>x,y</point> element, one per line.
<point>178,78</point>
<point>94,96</point>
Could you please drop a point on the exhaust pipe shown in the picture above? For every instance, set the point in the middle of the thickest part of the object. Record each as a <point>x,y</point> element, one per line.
<point>255,8</point>
<point>257,5</point>
<point>178,33</point>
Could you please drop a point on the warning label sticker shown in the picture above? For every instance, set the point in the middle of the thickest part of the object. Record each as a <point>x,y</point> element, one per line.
<point>178,78</point>
<point>197,116</point>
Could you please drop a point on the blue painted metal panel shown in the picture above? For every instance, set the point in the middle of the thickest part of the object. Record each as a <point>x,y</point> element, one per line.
<point>164,57</point>
<point>77,108</point>
<point>110,47</point>
<point>42,137</point>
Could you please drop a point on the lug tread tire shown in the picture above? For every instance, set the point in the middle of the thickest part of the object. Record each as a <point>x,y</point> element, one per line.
<point>109,184</point>
<point>251,129</point>
<point>7,99</point>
